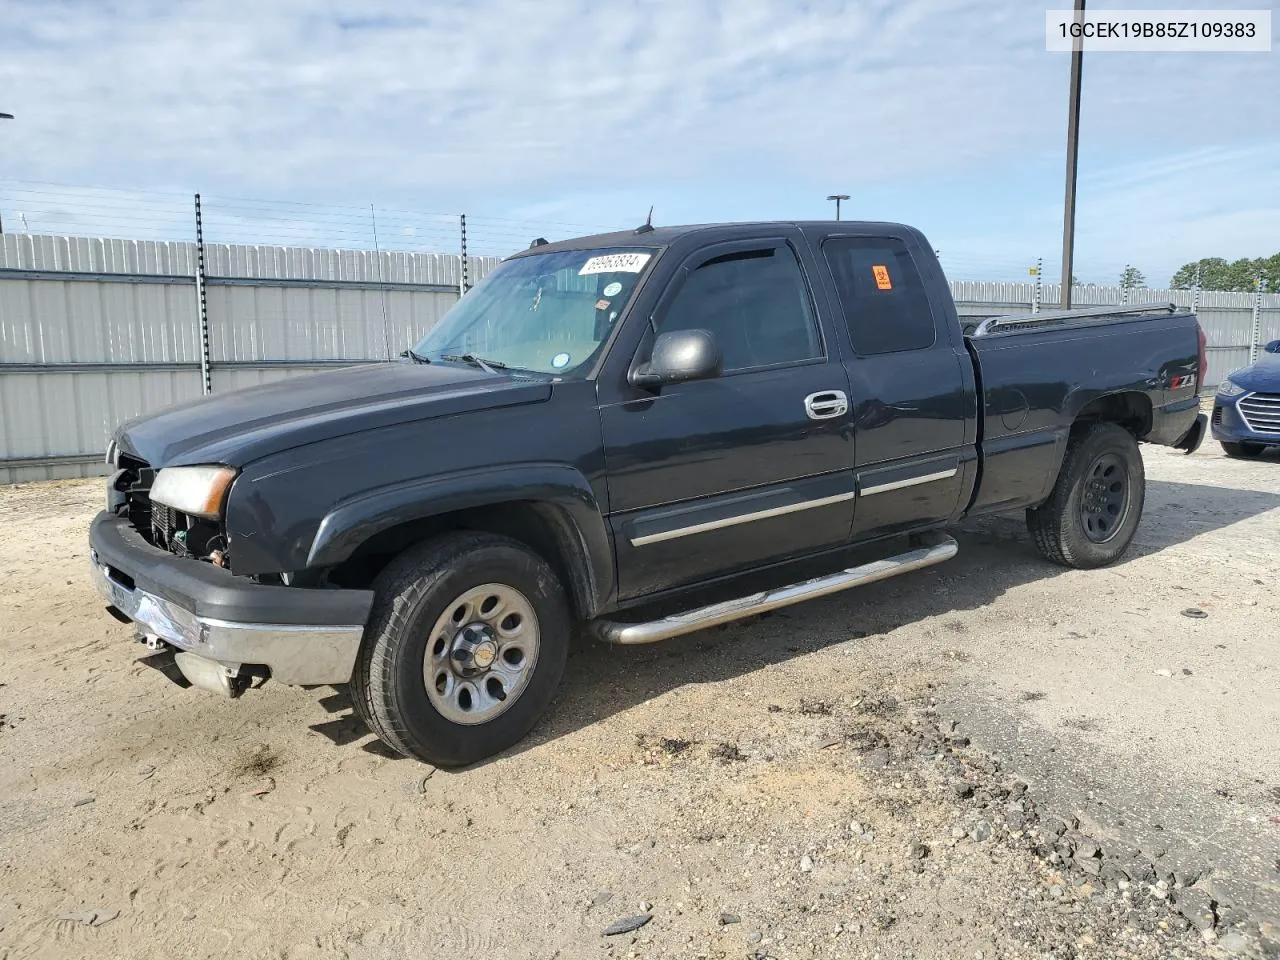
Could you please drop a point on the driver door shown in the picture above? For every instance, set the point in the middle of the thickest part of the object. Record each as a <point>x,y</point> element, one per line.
<point>710,477</point>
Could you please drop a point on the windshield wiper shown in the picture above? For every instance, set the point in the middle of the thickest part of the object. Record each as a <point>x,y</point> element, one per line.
<point>488,366</point>
<point>414,356</point>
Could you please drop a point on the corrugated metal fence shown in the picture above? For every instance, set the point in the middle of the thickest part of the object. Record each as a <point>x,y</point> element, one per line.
<point>93,331</point>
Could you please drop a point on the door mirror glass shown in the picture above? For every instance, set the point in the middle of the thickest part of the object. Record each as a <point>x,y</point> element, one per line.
<point>1272,347</point>
<point>679,356</point>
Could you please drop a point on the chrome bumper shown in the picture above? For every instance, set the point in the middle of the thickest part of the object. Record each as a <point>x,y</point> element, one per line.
<point>297,654</point>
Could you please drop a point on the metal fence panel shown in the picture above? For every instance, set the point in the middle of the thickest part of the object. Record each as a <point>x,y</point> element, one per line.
<point>67,416</point>
<point>100,330</point>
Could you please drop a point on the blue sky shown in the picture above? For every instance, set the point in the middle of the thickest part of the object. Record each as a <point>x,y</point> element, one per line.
<point>948,114</point>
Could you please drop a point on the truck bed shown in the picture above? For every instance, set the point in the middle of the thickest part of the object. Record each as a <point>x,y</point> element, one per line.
<point>1037,373</point>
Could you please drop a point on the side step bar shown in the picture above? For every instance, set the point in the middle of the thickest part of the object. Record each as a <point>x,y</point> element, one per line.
<point>612,631</point>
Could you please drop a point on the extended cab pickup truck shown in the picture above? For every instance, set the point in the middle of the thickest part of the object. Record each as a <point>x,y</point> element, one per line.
<point>640,434</point>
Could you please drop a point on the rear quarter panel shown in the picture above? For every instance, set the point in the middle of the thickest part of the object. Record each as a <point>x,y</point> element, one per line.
<point>1035,383</point>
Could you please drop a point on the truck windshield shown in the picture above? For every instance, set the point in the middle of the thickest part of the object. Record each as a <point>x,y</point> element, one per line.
<point>547,313</point>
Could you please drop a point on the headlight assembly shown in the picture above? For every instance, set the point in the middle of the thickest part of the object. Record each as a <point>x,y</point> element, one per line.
<point>199,491</point>
<point>1229,388</point>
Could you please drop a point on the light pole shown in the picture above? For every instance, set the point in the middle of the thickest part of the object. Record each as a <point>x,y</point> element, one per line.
<point>1073,158</point>
<point>4,116</point>
<point>837,197</point>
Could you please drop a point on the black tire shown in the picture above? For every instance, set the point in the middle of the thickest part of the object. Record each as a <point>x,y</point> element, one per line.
<point>1065,528</point>
<point>415,590</point>
<point>1243,451</point>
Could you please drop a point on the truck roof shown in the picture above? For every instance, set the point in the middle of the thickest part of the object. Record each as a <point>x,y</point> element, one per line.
<point>662,236</point>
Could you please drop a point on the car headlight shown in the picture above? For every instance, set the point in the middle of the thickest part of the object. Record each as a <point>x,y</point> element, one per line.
<point>1229,388</point>
<point>199,491</point>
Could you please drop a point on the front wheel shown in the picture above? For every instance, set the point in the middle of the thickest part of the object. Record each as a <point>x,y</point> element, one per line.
<point>1093,512</point>
<point>465,646</point>
<point>1241,450</point>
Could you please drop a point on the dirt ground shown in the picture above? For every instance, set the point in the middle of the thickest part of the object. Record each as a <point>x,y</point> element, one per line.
<point>994,758</point>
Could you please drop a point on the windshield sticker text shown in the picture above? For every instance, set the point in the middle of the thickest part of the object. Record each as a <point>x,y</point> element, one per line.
<point>881,273</point>
<point>615,263</point>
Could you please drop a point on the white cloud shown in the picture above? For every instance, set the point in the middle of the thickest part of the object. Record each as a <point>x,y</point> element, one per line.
<point>577,110</point>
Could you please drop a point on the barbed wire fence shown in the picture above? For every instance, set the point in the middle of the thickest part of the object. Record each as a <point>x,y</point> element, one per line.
<point>54,209</point>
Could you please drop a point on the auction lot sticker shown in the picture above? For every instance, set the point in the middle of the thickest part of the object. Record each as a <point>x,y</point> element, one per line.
<point>615,263</point>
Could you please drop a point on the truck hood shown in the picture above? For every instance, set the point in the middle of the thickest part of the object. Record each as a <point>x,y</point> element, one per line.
<point>1263,376</point>
<point>240,426</point>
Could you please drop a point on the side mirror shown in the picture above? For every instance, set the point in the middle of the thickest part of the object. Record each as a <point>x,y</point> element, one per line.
<point>1272,347</point>
<point>677,357</point>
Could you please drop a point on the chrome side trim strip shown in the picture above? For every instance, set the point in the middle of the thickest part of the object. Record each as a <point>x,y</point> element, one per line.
<point>942,548</point>
<point>740,518</point>
<point>909,482</point>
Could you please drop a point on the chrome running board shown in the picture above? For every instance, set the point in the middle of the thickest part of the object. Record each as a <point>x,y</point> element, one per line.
<point>613,631</point>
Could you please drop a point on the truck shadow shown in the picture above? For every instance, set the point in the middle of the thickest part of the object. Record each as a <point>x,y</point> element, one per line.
<point>996,555</point>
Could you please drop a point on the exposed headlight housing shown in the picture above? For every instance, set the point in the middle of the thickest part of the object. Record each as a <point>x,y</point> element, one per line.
<point>1229,388</point>
<point>198,491</point>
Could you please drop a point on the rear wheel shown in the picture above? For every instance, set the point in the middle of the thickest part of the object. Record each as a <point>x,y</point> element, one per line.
<point>1093,512</point>
<point>1241,450</point>
<point>465,646</point>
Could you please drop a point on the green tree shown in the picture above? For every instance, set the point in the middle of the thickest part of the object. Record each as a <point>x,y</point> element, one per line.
<point>1131,278</point>
<point>1238,275</point>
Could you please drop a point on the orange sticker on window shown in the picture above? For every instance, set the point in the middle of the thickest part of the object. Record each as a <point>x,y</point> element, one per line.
<point>882,276</point>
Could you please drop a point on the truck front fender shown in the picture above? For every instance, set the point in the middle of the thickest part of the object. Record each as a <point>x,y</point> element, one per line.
<point>562,494</point>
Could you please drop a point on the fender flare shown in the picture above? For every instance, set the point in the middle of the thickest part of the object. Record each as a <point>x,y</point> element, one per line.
<point>561,490</point>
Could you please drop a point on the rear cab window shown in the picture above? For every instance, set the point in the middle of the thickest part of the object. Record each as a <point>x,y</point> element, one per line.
<point>881,295</point>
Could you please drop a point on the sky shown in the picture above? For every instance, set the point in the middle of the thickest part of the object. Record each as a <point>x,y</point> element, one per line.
<point>556,117</point>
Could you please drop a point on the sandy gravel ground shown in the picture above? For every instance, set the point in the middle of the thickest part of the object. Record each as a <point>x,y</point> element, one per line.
<point>993,758</point>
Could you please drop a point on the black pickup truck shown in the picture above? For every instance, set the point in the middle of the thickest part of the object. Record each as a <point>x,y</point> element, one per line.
<point>636,435</point>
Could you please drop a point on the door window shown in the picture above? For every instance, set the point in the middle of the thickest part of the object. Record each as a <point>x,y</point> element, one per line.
<point>884,303</point>
<point>755,303</point>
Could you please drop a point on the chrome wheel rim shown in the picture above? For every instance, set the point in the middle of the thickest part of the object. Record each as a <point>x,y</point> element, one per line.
<point>1104,501</point>
<point>481,653</point>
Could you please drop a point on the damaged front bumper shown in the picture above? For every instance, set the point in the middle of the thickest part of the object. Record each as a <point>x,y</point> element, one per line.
<point>226,627</point>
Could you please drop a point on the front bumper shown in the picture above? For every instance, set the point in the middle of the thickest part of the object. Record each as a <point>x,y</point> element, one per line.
<point>301,636</point>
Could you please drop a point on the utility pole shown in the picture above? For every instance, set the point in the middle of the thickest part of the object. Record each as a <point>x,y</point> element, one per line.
<point>4,116</point>
<point>1073,158</point>
<point>837,197</point>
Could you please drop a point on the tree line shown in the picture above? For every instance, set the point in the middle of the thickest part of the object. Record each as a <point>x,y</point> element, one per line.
<point>1240,276</point>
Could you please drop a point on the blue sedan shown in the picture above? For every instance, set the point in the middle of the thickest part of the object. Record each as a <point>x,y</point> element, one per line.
<point>1246,411</point>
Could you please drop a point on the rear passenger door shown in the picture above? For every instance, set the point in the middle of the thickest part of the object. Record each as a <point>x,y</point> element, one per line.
<point>910,387</point>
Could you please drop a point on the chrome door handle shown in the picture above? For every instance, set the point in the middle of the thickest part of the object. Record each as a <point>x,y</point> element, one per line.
<point>826,405</point>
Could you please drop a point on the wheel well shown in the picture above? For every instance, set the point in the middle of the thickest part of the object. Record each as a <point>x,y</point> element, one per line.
<point>543,528</point>
<point>1131,410</point>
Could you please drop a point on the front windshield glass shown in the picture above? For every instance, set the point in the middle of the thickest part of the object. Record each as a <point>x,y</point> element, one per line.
<point>548,313</point>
